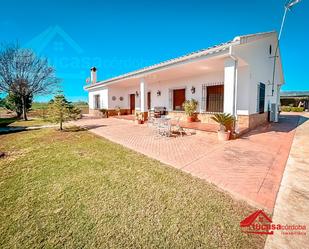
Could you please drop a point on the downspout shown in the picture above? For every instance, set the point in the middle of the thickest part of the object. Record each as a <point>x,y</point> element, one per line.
<point>233,57</point>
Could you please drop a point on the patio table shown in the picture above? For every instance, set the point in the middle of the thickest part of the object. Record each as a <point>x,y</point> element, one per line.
<point>164,126</point>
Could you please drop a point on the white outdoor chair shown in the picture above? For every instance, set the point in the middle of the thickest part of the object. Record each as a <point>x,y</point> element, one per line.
<point>177,128</point>
<point>164,127</point>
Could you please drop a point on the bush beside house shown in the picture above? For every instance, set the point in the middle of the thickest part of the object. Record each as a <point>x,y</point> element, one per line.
<point>292,109</point>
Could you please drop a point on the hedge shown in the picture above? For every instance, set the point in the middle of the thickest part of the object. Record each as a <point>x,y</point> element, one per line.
<point>291,109</point>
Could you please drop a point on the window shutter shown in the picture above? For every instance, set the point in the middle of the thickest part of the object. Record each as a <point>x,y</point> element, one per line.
<point>170,99</point>
<point>203,100</point>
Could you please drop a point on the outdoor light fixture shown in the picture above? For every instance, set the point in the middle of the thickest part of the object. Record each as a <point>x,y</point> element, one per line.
<point>158,93</point>
<point>192,89</point>
<point>136,93</point>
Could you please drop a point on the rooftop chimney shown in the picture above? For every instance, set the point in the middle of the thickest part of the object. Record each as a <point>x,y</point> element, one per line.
<point>93,75</point>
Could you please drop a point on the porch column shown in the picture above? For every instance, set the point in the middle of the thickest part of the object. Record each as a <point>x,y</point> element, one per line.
<point>143,97</point>
<point>230,77</point>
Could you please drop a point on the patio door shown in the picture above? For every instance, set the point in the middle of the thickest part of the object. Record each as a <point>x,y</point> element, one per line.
<point>179,96</point>
<point>132,103</point>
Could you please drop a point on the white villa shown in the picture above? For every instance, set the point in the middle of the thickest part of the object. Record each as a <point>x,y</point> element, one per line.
<point>235,77</point>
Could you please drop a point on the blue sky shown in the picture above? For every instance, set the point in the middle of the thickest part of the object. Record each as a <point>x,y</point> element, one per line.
<point>119,36</point>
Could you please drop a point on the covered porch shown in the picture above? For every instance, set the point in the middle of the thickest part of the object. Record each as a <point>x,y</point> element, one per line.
<point>212,81</point>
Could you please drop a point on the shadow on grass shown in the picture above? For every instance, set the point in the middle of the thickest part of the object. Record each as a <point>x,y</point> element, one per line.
<point>74,128</point>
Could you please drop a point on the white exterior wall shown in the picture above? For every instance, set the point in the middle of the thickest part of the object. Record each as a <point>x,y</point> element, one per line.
<point>243,90</point>
<point>103,92</point>
<point>256,66</point>
<point>187,83</point>
<point>162,86</point>
<point>259,70</point>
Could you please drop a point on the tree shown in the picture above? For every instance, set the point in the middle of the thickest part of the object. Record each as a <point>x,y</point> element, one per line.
<point>24,74</point>
<point>61,110</point>
<point>2,102</point>
<point>13,102</point>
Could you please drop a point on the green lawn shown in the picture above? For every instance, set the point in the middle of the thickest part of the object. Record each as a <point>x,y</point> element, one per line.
<point>15,122</point>
<point>30,122</point>
<point>75,190</point>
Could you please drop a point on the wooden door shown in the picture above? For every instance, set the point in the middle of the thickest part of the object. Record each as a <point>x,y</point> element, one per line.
<point>179,96</point>
<point>132,103</point>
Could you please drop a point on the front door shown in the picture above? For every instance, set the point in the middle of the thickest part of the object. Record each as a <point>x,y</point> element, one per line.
<point>132,103</point>
<point>179,96</point>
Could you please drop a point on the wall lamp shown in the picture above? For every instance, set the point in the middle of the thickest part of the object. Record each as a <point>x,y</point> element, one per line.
<point>136,94</point>
<point>158,93</point>
<point>192,89</point>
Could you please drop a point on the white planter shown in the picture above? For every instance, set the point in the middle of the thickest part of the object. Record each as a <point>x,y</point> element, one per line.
<point>224,135</point>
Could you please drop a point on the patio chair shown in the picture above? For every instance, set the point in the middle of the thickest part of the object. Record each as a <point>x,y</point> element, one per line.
<point>177,127</point>
<point>151,118</point>
<point>164,127</point>
<point>158,111</point>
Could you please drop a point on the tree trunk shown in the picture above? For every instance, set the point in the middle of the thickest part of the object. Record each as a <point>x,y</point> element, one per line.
<point>23,99</point>
<point>61,125</point>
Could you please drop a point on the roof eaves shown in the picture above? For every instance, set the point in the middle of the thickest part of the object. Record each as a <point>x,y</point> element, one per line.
<point>158,66</point>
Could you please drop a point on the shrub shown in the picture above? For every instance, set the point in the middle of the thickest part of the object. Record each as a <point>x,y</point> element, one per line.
<point>225,120</point>
<point>104,112</point>
<point>297,109</point>
<point>285,108</point>
<point>190,107</point>
<point>292,109</point>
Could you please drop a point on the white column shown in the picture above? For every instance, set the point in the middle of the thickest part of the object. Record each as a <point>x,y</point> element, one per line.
<point>230,74</point>
<point>143,95</point>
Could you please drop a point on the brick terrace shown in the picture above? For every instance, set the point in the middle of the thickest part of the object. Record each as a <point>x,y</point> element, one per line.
<point>250,168</point>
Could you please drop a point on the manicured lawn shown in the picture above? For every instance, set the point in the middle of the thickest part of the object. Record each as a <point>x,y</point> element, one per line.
<point>74,190</point>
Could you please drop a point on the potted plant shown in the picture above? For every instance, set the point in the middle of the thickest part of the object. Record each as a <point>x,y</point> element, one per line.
<point>139,117</point>
<point>226,122</point>
<point>104,113</point>
<point>118,110</point>
<point>190,108</point>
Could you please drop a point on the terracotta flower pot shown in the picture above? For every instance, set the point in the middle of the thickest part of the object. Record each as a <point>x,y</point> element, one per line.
<point>140,121</point>
<point>223,135</point>
<point>190,119</point>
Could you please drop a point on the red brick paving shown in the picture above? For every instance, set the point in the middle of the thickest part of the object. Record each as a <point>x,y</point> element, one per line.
<point>250,168</point>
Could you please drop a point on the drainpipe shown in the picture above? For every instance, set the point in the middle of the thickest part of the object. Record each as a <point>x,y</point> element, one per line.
<point>233,57</point>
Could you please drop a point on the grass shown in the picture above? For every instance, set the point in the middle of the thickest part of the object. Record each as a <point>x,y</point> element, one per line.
<point>30,122</point>
<point>74,190</point>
